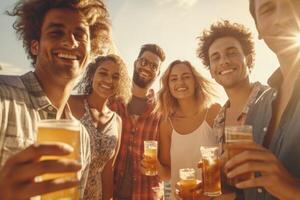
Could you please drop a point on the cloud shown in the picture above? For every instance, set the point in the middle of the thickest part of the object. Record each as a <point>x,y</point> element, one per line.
<point>8,69</point>
<point>180,3</point>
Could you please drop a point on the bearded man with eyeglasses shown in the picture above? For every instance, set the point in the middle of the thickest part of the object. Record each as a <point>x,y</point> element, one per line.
<point>139,123</point>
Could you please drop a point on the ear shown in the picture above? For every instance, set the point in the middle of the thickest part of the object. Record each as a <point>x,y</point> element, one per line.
<point>34,47</point>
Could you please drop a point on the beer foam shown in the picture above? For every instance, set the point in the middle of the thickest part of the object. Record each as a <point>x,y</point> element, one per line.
<point>72,125</point>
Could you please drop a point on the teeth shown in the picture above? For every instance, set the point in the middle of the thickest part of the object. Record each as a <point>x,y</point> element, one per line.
<point>181,89</point>
<point>106,87</point>
<point>226,71</point>
<point>144,74</point>
<point>67,56</point>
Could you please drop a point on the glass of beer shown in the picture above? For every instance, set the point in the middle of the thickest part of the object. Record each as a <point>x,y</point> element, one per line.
<point>187,183</point>
<point>237,134</point>
<point>150,156</point>
<point>211,170</point>
<point>66,131</point>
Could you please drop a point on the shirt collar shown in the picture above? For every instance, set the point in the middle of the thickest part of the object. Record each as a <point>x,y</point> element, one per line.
<point>276,79</point>
<point>36,94</point>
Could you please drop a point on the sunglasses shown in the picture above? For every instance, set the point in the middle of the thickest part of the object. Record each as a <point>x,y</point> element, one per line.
<point>144,62</point>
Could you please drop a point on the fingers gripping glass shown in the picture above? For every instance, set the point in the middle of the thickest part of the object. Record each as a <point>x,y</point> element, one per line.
<point>145,62</point>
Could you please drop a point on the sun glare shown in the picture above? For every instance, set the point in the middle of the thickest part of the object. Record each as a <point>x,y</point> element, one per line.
<point>297,38</point>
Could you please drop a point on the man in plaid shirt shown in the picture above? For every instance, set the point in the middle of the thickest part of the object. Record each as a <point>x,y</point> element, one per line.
<point>139,123</point>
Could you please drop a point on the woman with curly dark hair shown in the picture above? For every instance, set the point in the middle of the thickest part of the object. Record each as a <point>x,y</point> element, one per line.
<point>105,78</point>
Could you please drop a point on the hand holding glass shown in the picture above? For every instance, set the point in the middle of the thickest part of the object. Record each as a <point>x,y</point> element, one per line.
<point>234,135</point>
<point>65,131</point>
<point>211,170</point>
<point>187,184</point>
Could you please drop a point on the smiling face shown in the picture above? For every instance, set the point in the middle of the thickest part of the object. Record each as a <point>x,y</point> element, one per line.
<point>146,69</point>
<point>228,64</point>
<point>278,23</point>
<point>181,82</point>
<point>106,79</point>
<point>64,47</point>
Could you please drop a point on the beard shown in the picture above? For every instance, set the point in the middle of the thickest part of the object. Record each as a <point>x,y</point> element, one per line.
<point>139,81</point>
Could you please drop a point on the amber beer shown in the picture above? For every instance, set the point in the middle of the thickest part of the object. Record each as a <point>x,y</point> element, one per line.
<point>66,131</point>
<point>211,170</point>
<point>150,156</point>
<point>233,135</point>
<point>187,183</point>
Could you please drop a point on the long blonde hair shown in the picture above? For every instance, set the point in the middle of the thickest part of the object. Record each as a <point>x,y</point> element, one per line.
<point>167,104</point>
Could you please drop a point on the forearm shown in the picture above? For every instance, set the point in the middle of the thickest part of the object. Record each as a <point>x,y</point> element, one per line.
<point>164,172</point>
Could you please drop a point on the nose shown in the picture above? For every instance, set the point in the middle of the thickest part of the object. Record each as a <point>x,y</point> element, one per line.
<point>224,60</point>
<point>69,41</point>
<point>108,79</point>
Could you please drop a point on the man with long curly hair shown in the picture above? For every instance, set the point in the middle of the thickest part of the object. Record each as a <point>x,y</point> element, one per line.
<point>59,37</point>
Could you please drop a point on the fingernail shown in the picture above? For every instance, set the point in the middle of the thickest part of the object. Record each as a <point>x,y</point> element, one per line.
<point>68,148</point>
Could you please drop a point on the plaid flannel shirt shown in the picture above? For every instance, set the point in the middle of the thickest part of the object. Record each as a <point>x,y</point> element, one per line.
<point>22,104</point>
<point>132,144</point>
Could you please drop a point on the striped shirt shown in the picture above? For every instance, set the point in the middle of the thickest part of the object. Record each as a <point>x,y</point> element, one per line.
<point>22,105</point>
<point>134,133</point>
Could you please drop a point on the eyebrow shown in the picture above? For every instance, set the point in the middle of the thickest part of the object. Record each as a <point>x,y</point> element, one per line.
<point>264,5</point>
<point>227,49</point>
<point>59,25</point>
<point>231,48</point>
<point>54,25</point>
<point>185,73</point>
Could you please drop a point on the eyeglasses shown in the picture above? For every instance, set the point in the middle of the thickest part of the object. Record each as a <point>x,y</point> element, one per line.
<point>144,62</point>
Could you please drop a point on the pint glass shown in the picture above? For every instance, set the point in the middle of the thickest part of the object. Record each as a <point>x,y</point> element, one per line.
<point>211,170</point>
<point>237,134</point>
<point>66,131</point>
<point>150,156</point>
<point>187,183</point>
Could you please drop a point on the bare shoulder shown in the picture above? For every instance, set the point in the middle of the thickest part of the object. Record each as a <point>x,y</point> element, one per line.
<point>165,127</point>
<point>212,112</point>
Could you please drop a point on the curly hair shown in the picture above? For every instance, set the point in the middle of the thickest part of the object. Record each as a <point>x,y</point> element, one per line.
<point>153,48</point>
<point>225,29</point>
<point>31,13</point>
<point>123,90</point>
<point>167,104</point>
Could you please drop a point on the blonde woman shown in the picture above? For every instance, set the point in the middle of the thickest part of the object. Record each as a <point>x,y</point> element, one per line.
<point>105,78</point>
<point>188,114</point>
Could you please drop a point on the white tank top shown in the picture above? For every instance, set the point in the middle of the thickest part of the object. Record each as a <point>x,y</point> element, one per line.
<point>185,150</point>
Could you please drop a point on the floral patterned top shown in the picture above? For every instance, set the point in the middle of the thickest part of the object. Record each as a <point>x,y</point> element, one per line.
<point>103,144</point>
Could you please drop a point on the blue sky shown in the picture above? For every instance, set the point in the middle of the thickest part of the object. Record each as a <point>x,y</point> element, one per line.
<point>173,24</point>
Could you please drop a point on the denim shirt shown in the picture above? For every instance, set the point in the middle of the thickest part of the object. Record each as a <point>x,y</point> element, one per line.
<point>285,144</point>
